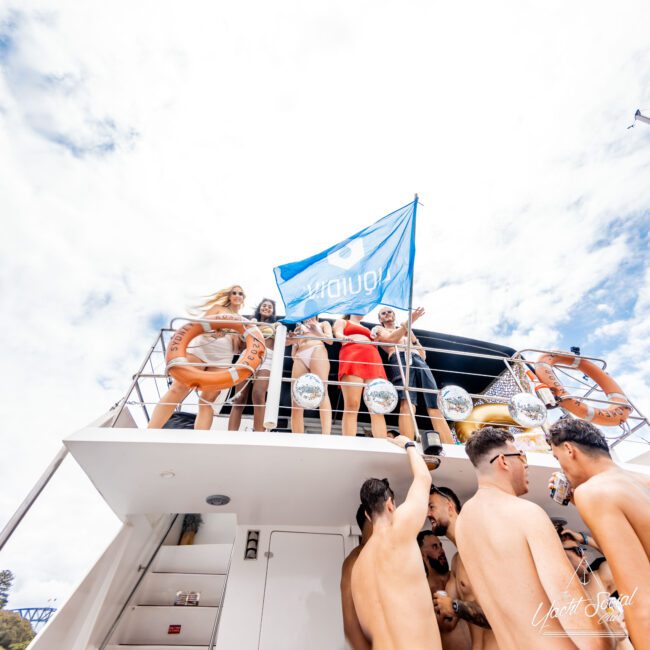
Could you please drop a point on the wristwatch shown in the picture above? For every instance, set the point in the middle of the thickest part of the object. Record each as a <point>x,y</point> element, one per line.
<point>454,606</point>
<point>410,443</point>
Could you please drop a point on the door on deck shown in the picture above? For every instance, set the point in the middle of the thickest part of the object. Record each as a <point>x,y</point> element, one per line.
<point>302,598</point>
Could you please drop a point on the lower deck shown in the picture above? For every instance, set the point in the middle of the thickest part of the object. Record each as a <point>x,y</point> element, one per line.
<point>264,566</point>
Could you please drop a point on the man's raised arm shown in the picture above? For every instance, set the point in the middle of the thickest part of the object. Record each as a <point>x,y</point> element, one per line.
<point>413,512</point>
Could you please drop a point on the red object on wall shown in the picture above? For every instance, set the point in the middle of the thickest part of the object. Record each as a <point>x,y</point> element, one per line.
<point>174,629</point>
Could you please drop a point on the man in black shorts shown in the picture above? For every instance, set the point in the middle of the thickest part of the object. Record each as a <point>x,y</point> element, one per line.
<point>419,375</point>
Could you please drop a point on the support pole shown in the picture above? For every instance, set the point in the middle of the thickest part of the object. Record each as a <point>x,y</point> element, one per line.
<point>416,431</point>
<point>275,379</point>
<point>407,374</point>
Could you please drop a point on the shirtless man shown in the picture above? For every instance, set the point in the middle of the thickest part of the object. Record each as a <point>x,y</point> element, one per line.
<point>615,505</point>
<point>389,588</point>
<point>473,631</point>
<point>597,583</point>
<point>514,558</point>
<point>353,632</point>
<point>419,375</point>
<point>435,560</point>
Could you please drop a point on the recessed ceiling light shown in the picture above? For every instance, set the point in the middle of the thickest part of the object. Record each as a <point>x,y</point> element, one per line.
<point>218,499</point>
<point>167,474</point>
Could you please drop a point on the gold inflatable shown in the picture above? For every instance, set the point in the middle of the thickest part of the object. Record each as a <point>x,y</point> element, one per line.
<point>498,415</point>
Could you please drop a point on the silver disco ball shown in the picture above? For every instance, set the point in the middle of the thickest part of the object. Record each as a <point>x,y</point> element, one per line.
<point>308,391</point>
<point>380,396</point>
<point>455,403</point>
<point>527,410</point>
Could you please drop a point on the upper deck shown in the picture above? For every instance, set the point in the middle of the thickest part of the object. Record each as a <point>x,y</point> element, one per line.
<point>280,478</point>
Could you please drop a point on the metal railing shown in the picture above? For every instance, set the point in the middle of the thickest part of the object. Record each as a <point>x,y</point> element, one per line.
<point>275,408</point>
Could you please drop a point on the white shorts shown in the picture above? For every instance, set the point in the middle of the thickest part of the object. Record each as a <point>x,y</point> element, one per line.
<point>267,361</point>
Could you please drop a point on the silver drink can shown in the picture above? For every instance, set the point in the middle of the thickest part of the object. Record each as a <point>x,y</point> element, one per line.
<point>561,493</point>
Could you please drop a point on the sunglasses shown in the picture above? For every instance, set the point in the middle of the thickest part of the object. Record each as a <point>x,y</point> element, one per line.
<point>578,550</point>
<point>385,313</point>
<point>238,293</point>
<point>434,490</point>
<point>521,454</point>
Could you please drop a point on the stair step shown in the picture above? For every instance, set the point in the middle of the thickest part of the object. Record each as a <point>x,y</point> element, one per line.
<point>150,625</point>
<point>195,558</point>
<point>161,588</point>
<point>156,647</point>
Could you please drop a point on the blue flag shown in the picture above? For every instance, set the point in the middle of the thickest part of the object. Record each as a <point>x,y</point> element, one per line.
<point>373,267</point>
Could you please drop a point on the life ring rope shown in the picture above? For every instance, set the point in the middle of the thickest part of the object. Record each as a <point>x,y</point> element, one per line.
<point>618,408</point>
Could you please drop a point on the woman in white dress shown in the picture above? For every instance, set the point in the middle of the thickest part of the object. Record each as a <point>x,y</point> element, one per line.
<point>215,350</point>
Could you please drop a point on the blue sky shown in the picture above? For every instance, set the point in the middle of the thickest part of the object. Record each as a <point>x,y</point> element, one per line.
<point>615,297</point>
<point>151,153</point>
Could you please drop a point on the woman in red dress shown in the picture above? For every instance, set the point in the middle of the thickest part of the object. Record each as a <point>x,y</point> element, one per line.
<point>358,364</point>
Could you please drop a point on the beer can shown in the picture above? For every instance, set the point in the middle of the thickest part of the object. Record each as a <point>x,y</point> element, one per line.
<point>441,593</point>
<point>561,493</point>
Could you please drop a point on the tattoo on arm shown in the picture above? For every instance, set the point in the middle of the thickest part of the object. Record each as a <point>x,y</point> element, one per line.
<point>472,613</point>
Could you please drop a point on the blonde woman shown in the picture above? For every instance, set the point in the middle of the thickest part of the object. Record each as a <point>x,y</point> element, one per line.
<point>310,355</point>
<point>215,350</point>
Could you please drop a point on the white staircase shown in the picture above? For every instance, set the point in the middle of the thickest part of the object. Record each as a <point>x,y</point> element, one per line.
<point>153,622</point>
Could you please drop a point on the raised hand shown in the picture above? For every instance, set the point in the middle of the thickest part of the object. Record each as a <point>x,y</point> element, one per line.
<point>400,441</point>
<point>418,312</point>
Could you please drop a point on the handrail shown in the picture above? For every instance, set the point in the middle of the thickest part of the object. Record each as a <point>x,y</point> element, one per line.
<point>31,497</point>
<point>577,356</point>
<point>511,363</point>
<point>122,402</point>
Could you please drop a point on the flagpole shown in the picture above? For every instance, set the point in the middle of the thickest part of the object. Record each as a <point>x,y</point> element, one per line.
<point>408,331</point>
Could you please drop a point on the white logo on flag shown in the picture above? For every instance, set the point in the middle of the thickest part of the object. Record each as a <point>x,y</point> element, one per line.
<point>347,256</point>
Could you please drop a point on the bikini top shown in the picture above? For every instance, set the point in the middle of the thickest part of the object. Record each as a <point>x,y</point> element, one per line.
<point>355,328</point>
<point>268,332</point>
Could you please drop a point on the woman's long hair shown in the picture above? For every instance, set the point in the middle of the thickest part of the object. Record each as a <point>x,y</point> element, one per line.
<point>221,298</point>
<point>258,314</point>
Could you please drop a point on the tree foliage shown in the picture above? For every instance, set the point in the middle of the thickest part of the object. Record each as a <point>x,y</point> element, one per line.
<point>6,580</point>
<point>15,631</point>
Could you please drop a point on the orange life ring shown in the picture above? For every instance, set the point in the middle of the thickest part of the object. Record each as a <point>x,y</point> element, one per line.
<point>193,376</point>
<point>610,416</point>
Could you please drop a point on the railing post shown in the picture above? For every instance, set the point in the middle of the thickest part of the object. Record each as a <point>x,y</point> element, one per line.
<point>275,380</point>
<point>122,402</point>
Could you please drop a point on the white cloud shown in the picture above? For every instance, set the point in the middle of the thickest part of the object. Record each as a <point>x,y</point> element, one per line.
<point>614,328</point>
<point>605,309</point>
<point>151,153</point>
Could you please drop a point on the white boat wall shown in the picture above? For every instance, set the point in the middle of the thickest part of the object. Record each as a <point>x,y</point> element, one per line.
<point>264,565</point>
